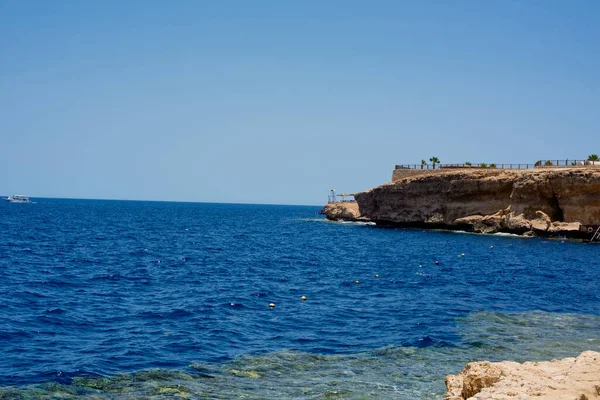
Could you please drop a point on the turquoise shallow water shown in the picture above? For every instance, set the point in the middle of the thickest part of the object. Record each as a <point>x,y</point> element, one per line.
<point>110,299</point>
<point>391,372</point>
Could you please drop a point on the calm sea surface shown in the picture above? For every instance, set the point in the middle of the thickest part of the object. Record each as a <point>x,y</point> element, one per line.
<point>115,299</point>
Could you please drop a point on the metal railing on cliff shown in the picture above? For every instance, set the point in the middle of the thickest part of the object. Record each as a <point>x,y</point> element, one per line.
<point>538,164</point>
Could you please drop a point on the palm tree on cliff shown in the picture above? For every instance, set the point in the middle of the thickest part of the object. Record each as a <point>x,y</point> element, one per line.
<point>434,160</point>
<point>593,157</point>
<point>423,163</point>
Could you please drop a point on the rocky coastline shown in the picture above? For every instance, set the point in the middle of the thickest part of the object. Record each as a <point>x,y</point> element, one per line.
<point>342,211</point>
<point>572,378</point>
<point>547,202</point>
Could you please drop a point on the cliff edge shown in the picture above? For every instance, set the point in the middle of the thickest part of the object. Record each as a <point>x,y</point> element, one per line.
<point>567,379</point>
<point>542,202</point>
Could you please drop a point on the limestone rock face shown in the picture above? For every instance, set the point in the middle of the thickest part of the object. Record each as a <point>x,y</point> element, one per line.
<point>342,211</point>
<point>475,377</point>
<point>569,378</point>
<point>542,201</point>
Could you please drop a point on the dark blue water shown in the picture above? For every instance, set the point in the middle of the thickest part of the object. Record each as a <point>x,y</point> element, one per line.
<point>97,288</point>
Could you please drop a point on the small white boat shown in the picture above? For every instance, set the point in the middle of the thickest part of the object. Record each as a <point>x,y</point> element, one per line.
<point>18,198</point>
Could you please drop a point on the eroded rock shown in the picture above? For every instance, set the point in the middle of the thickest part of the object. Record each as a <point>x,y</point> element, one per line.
<point>547,202</point>
<point>475,377</point>
<point>342,211</point>
<point>569,378</point>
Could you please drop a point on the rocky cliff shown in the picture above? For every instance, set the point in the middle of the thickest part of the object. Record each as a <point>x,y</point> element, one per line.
<point>538,201</point>
<point>567,379</point>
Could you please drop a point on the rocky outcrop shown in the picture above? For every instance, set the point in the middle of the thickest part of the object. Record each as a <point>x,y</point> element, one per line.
<point>570,378</point>
<point>342,211</point>
<point>537,202</point>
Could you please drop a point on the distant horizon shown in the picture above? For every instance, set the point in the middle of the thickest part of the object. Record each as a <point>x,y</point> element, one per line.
<point>4,196</point>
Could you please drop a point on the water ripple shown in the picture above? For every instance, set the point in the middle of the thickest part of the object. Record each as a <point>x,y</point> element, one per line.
<point>94,293</point>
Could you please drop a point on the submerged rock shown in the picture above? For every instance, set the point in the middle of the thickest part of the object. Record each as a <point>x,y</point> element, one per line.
<point>569,378</point>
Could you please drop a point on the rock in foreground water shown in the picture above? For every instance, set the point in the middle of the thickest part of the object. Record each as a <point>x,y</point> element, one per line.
<point>567,379</point>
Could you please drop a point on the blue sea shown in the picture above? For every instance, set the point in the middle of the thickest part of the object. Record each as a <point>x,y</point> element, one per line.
<point>129,300</point>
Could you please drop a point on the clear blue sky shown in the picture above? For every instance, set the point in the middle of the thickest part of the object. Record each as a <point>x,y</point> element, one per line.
<point>280,101</point>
